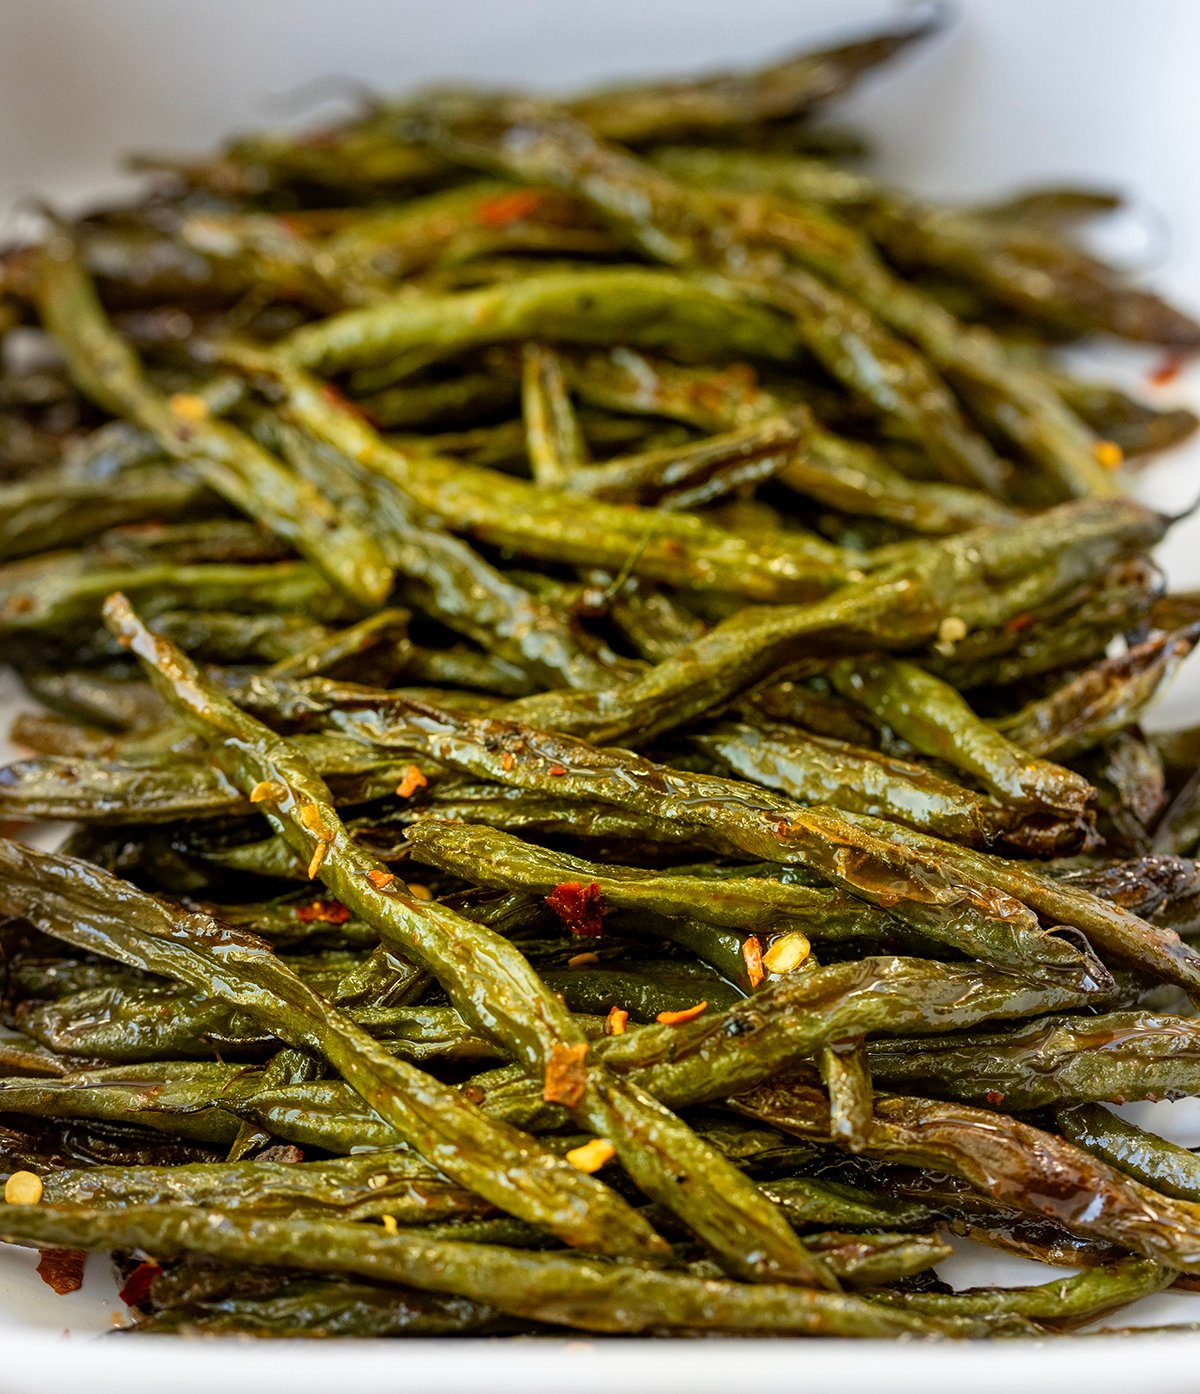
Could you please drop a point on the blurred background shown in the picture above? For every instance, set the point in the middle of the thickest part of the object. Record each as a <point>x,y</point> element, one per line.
<point>1016,91</point>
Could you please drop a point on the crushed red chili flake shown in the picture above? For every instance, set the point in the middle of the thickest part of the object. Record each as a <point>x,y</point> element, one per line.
<point>557,769</point>
<point>584,960</point>
<point>616,1021</point>
<point>1166,371</point>
<point>566,1074</point>
<point>474,1094</point>
<point>380,879</point>
<point>994,1097</point>
<point>412,781</point>
<point>507,761</point>
<point>678,1018</point>
<point>62,1269</point>
<point>322,912</point>
<point>1018,622</point>
<point>579,907</point>
<point>753,959</point>
<point>508,208</point>
<point>342,402</point>
<point>137,1285</point>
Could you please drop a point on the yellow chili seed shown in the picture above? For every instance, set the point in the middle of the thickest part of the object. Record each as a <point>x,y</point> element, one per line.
<point>23,1188</point>
<point>188,406</point>
<point>952,630</point>
<point>786,953</point>
<point>320,852</point>
<point>1109,454</point>
<point>592,1155</point>
<point>267,791</point>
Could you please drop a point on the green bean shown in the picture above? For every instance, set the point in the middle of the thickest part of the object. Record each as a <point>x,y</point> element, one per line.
<point>800,1014</point>
<point>1038,275</point>
<point>1152,1160</point>
<point>544,523</point>
<point>508,1003</point>
<point>670,224</point>
<point>1028,1169</point>
<point>811,1200</point>
<point>636,114</point>
<point>760,904</point>
<point>448,578</point>
<point>846,1071</point>
<point>109,791</point>
<point>93,910</point>
<point>366,154</point>
<point>1064,1302</point>
<point>646,307</point>
<point>113,697</point>
<point>370,1184</point>
<point>931,716</point>
<point>967,914</point>
<point>140,1024</point>
<point>1073,628</point>
<point>229,462</point>
<point>600,799</point>
<point>43,514</point>
<point>1118,1056</point>
<point>1134,427</point>
<point>1152,886</point>
<point>555,442</point>
<point>56,590</point>
<point>983,577</point>
<point>1100,701</point>
<point>1125,936</point>
<point>545,1287</point>
<point>325,1308</point>
<point>814,769</point>
<point>699,473</point>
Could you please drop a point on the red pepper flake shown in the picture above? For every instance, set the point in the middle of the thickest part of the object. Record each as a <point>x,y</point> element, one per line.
<point>507,761</point>
<point>412,781</point>
<point>616,1021</point>
<point>672,546</point>
<point>323,912</point>
<point>994,1097</point>
<point>380,879</point>
<point>1167,371</point>
<point>1018,622</point>
<point>138,1284</point>
<point>782,829</point>
<point>557,769</point>
<point>579,907</point>
<point>584,960</point>
<point>752,957</point>
<point>473,1094</point>
<point>677,1018</point>
<point>508,208</point>
<point>62,1269</point>
<point>566,1074</point>
<point>341,402</point>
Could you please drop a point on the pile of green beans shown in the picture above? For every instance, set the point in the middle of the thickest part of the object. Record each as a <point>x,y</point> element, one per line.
<point>595,660</point>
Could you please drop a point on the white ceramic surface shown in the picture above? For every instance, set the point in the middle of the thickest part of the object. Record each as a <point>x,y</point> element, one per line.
<point>1020,92</point>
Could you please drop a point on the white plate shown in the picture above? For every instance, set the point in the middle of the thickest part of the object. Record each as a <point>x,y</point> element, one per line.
<point>1021,92</point>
